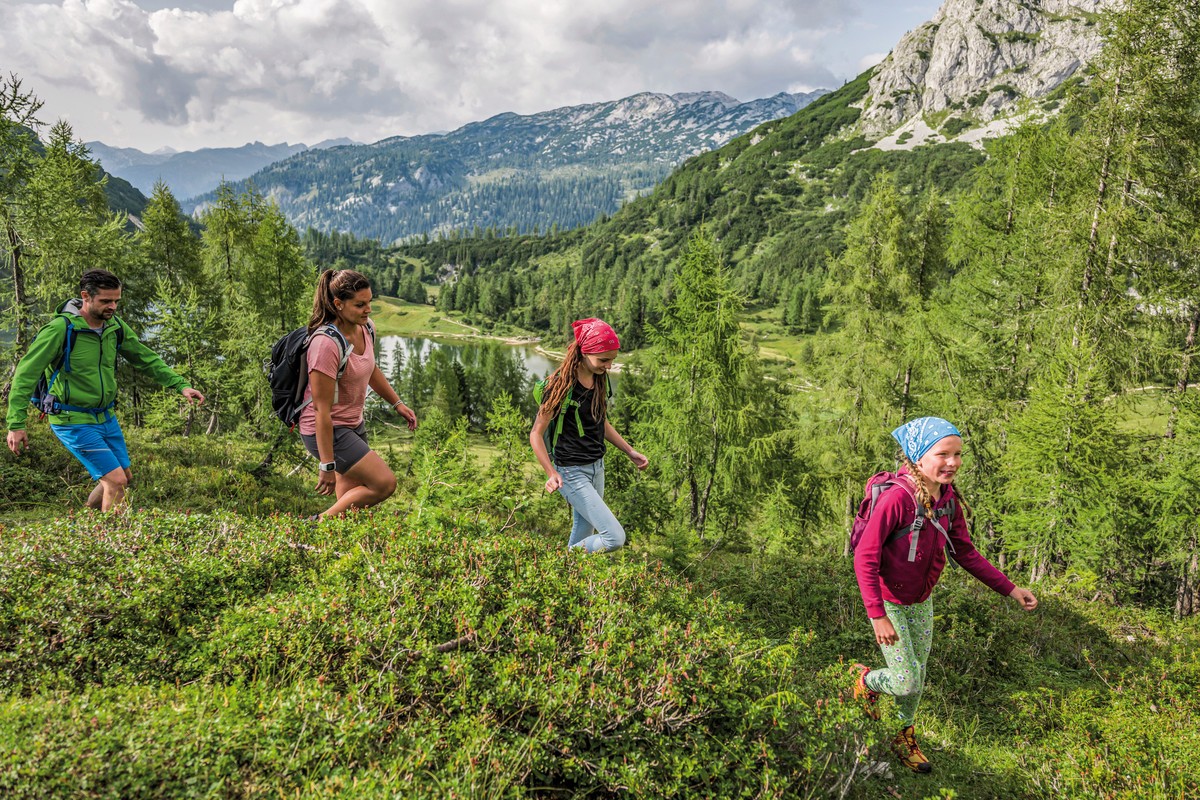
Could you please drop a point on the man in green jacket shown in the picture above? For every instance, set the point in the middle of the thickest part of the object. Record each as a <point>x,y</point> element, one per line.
<point>77,351</point>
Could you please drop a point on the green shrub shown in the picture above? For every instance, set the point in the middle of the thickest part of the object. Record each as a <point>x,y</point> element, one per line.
<point>955,125</point>
<point>172,656</point>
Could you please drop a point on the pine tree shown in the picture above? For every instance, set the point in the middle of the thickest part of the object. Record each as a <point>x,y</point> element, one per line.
<point>708,414</point>
<point>169,247</point>
<point>18,126</point>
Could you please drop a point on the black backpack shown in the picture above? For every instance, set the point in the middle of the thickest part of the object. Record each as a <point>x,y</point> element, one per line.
<point>47,403</point>
<point>287,369</point>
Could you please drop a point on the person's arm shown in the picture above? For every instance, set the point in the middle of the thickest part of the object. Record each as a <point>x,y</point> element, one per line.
<point>379,384</point>
<point>537,440</point>
<point>974,562</point>
<point>322,402</point>
<point>887,516</point>
<point>47,344</point>
<point>149,362</point>
<point>611,435</point>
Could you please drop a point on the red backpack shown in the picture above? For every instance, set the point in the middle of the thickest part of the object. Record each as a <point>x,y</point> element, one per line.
<point>877,484</point>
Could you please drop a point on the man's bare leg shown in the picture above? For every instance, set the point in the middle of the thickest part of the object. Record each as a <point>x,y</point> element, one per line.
<point>112,489</point>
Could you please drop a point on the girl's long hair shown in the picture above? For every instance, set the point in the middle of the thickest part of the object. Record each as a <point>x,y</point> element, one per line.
<point>562,380</point>
<point>341,284</point>
<point>923,496</point>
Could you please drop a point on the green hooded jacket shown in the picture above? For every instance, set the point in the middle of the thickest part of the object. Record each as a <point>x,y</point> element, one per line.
<point>92,379</point>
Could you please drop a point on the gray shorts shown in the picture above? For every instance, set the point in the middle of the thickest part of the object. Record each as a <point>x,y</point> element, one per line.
<point>349,446</point>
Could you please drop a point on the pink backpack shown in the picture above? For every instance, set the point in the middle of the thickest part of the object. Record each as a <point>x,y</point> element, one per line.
<point>879,483</point>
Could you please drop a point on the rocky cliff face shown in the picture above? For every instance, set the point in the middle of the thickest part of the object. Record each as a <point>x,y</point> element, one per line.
<point>978,58</point>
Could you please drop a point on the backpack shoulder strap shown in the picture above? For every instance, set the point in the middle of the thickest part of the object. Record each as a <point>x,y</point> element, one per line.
<point>70,333</point>
<point>122,329</point>
<point>330,330</point>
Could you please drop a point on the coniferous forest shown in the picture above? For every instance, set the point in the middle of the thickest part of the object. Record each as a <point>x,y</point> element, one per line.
<point>788,300</point>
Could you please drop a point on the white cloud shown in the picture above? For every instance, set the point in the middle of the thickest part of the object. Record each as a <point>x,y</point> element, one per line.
<point>868,61</point>
<point>310,69</point>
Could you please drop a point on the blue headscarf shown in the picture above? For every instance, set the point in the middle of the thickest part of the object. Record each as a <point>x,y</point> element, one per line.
<point>918,436</point>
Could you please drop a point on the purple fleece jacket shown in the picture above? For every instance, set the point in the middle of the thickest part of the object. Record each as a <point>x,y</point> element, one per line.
<point>885,573</point>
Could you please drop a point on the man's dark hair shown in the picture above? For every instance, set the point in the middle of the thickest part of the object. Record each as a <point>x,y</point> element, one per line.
<point>96,280</point>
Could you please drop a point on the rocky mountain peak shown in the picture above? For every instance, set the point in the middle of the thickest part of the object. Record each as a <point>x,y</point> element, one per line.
<point>978,58</point>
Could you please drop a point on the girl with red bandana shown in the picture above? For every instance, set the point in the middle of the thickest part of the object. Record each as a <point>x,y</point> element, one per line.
<point>575,406</point>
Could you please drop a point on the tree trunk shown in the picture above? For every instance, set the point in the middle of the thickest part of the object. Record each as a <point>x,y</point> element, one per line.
<point>996,544</point>
<point>212,420</point>
<point>264,467</point>
<point>1089,264</point>
<point>1186,601</point>
<point>20,307</point>
<point>1185,366</point>
<point>712,474</point>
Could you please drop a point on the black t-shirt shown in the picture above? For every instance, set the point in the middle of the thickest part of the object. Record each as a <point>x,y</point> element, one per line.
<point>571,450</point>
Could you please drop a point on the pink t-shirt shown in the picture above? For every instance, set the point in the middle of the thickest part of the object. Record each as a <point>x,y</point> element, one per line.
<point>324,353</point>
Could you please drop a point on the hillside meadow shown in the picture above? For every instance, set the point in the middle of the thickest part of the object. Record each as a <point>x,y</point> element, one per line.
<point>211,644</point>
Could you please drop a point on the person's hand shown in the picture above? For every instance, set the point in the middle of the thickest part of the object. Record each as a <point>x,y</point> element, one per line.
<point>193,396</point>
<point>18,441</point>
<point>639,460</point>
<point>885,633</point>
<point>554,482</point>
<point>1024,597</point>
<point>409,415</point>
<point>326,482</point>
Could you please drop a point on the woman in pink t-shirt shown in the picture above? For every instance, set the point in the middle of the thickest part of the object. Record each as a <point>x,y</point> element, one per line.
<point>331,425</point>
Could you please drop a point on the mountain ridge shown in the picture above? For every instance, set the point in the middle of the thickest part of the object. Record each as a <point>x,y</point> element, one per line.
<point>192,172</point>
<point>562,167</point>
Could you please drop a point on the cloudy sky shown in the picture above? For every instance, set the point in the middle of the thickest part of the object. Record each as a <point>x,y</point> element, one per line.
<point>213,73</point>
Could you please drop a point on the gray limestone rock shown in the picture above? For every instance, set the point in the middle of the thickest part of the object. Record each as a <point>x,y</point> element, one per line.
<point>978,58</point>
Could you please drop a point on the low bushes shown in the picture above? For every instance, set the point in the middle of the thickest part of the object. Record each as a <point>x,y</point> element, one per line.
<point>219,656</point>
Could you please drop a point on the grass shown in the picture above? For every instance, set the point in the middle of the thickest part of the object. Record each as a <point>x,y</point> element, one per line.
<point>193,640</point>
<point>1146,412</point>
<point>774,342</point>
<point>394,317</point>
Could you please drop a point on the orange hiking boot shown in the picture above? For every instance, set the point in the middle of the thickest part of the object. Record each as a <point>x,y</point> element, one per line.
<point>862,694</point>
<point>905,748</point>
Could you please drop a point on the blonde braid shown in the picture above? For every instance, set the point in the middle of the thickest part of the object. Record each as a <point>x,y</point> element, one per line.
<point>922,492</point>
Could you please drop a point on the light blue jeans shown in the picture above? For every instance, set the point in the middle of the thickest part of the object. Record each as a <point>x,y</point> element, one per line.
<point>595,529</point>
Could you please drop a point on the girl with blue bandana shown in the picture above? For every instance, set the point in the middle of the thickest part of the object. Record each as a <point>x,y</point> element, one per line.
<point>898,563</point>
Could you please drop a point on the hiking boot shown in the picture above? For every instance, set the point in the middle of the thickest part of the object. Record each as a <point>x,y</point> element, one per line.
<point>862,694</point>
<point>910,755</point>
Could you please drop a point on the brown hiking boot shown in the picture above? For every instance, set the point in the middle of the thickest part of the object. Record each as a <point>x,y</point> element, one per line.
<point>905,748</point>
<point>862,694</point>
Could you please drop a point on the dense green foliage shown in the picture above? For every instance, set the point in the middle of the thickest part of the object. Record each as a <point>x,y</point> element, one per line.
<point>429,649</point>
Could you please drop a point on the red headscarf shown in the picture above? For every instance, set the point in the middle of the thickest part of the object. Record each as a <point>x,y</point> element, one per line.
<point>595,336</point>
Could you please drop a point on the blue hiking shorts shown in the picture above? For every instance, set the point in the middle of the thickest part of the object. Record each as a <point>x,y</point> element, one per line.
<point>99,446</point>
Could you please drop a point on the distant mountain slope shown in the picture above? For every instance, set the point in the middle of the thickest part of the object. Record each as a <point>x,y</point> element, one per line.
<point>123,196</point>
<point>195,172</point>
<point>557,168</point>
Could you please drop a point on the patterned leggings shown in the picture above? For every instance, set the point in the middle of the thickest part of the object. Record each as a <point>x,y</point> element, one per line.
<point>904,676</point>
